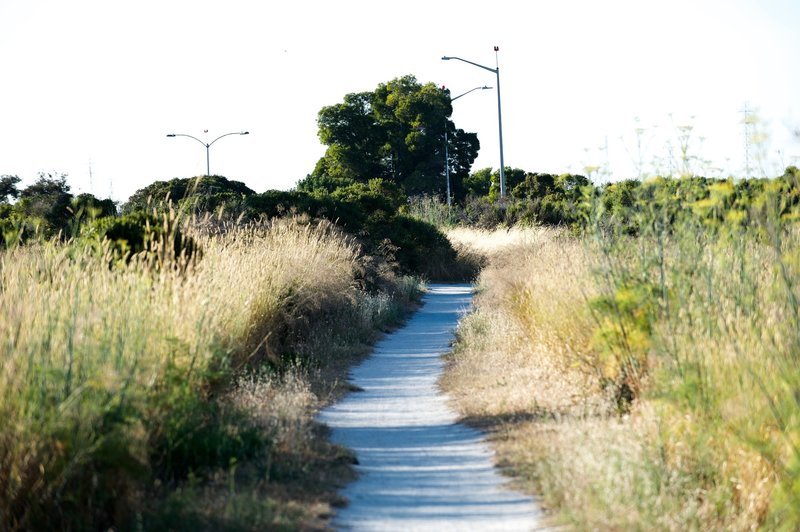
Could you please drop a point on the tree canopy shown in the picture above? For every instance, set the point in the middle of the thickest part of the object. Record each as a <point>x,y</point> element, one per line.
<point>396,133</point>
<point>47,208</point>
<point>8,187</point>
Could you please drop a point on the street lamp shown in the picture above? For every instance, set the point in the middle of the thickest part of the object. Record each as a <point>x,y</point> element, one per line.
<point>208,145</point>
<point>499,114</point>
<point>446,155</point>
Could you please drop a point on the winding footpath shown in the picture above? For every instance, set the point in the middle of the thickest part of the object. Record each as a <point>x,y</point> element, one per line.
<point>418,468</point>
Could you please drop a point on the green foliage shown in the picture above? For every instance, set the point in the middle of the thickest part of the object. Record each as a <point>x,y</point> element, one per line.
<point>8,187</point>
<point>626,207</point>
<point>321,182</point>
<point>478,183</point>
<point>194,195</point>
<point>531,199</point>
<point>86,468</point>
<point>395,133</point>
<point>699,314</point>
<point>193,435</point>
<point>371,211</point>
<point>45,205</point>
<point>46,209</point>
<point>513,177</point>
<point>87,206</point>
<point>480,211</point>
<point>141,232</point>
<point>549,199</point>
<point>377,195</point>
<point>416,246</point>
<point>10,226</point>
<point>432,210</point>
<point>623,337</point>
<point>631,206</point>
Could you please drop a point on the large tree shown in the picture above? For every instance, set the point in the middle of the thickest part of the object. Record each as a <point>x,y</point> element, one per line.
<point>47,202</point>
<point>8,187</point>
<point>397,133</point>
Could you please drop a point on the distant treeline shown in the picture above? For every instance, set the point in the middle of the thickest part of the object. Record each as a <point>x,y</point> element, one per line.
<point>369,211</point>
<point>386,220</point>
<point>573,201</point>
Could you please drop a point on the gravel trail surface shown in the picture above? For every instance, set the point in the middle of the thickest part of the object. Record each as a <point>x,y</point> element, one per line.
<point>418,468</point>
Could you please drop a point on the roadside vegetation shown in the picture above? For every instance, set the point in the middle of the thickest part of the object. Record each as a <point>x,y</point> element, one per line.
<point>163,359</point>
<point>634,349</point>
<point>162,367</point>
<point>161,389</point>
<point>641,372</point>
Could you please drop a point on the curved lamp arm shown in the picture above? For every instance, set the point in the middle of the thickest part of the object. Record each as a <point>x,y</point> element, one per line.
<point>495,71</point>
<point>191,137</point>
<point>226,134</point>
<point>492,70</point>
<point>208,144</point>
<point>464,94</point>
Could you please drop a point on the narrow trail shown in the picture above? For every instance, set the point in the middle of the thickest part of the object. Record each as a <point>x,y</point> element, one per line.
<point>418,468</point>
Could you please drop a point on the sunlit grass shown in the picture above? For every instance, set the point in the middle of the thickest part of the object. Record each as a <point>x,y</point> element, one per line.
<point>708,320</point>
<point>116,375</point>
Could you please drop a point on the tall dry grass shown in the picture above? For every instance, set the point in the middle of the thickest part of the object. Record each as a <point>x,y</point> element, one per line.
<point>519,343</point>
<point>112,371</point>
<point>705,320</point>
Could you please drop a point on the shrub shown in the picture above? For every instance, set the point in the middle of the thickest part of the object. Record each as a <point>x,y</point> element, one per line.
<point>370,212</point>
<point>196,195</point>
<point>142,232</point>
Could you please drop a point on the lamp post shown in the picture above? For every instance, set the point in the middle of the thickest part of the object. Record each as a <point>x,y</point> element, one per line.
<point>496,71</point>
<point>446,155</point>
<point>208,144</point>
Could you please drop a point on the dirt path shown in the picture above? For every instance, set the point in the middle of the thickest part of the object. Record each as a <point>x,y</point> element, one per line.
<point>419,469</point>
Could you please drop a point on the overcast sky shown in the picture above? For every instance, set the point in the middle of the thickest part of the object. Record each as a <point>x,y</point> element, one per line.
<point>91,87</point>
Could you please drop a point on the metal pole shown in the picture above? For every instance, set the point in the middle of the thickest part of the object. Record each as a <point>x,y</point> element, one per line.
<point>500,127</point>
<point>447,165</point>
<point>499,114</point>
<point>446,157</point>
<point>208,144</point>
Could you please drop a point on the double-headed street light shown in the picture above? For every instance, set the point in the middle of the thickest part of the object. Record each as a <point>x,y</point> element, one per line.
<point>208,144</point>
<point>496,71</point>
<point>446,154</point>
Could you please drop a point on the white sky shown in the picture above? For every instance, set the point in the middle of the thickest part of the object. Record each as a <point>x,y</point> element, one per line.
<point>99,83</point>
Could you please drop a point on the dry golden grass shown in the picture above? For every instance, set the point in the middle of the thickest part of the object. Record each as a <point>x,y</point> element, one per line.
<point>525,370</point>
<point>528,351</point>
<point>489,242</point>
<point>99,359</point>
<point>514,371</point>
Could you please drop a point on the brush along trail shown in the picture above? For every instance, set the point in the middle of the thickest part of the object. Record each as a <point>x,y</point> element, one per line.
<point>419,469</point>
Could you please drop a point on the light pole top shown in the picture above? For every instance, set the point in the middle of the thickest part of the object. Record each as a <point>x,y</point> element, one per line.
<point>483,88</point>
<point>493,70</point>
<point>207,144</point>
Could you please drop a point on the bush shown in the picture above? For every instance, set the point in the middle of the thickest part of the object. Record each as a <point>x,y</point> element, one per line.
<point>141,232</point>
<point>195,195</point>
<point>370,212</point>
